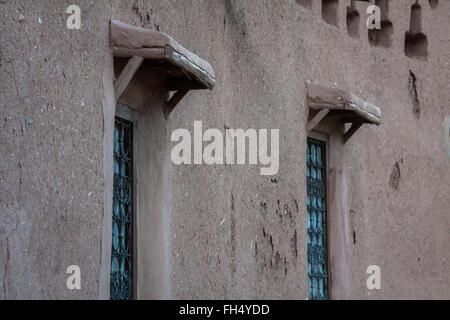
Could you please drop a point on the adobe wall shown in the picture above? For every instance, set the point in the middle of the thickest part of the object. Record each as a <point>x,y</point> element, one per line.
<point>230,232</point>
<point>52,148</point>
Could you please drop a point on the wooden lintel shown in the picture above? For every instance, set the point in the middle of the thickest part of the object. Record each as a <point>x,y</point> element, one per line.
<point>321,97</point>
<point>127,74</point>
<point>349,133</point>
<point>317,118</point>
<point>172,103</point>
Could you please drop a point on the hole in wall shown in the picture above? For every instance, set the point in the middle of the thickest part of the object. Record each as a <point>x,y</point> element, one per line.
<point>416,46</point>
<point>433,3</point>
<point>353,22</point>
<point>416,43</point>
<point>305,3</point>
<point>330,11</point>
<point>382,37</point>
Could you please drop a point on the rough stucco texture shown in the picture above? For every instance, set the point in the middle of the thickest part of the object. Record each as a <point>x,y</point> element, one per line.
<point>51,145</point>
<point>233,233</point>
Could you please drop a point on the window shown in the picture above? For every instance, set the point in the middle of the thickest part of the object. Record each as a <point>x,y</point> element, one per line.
<point>338,114</point>
<point>121,287</point>
<point>144,67</point>
<point>317,220</point>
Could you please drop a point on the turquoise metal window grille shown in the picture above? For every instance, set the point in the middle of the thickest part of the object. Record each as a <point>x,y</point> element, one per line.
<point>121,287</point>
<point>316,223</point>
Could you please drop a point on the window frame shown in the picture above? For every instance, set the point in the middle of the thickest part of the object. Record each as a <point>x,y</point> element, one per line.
<point>128,114</point>
<point>321,136</point>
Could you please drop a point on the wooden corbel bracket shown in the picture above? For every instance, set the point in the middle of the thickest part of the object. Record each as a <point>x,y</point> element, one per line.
<point>127,75</point>
<point>172,103</point>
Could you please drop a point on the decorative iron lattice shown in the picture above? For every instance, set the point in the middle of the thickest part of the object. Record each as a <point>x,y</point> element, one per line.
<point>317,227</point>
<point>122,222</point>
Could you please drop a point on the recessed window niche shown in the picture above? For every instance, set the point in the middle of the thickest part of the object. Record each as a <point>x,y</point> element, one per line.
<point>382,37</point>
<point>433,3</point>
<point>416,42</point>
<point>330,11</point>
<point>353,20</point>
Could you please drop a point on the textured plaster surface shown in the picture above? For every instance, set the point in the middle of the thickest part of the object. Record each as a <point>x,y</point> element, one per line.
<point>227,231</point>
<point>51,189</point>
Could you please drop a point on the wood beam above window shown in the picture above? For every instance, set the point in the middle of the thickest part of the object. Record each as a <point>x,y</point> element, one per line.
<point>181,64</point>
<point>329,102</point>
<point>159,54</point>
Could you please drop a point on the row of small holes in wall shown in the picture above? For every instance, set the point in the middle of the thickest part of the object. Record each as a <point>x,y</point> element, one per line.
<point>416,43</point>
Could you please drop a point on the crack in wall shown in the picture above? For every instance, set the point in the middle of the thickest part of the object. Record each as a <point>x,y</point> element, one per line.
<point>233,240</point>
<point>6,267</point>
<point>412,88</point>
<point>394,180</point>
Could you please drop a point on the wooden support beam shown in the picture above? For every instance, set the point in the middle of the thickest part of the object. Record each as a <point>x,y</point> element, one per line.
<point>127,74</point>
<point>349,133</point>
<point>172,103</point>
<point>317,118</point>
<point>320,97</point>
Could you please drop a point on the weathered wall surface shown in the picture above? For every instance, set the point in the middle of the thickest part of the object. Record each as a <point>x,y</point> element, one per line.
<point>232,233</point>
<point>51,148</point>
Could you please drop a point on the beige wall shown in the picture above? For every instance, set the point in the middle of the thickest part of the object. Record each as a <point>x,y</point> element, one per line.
<point>220,231</point>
